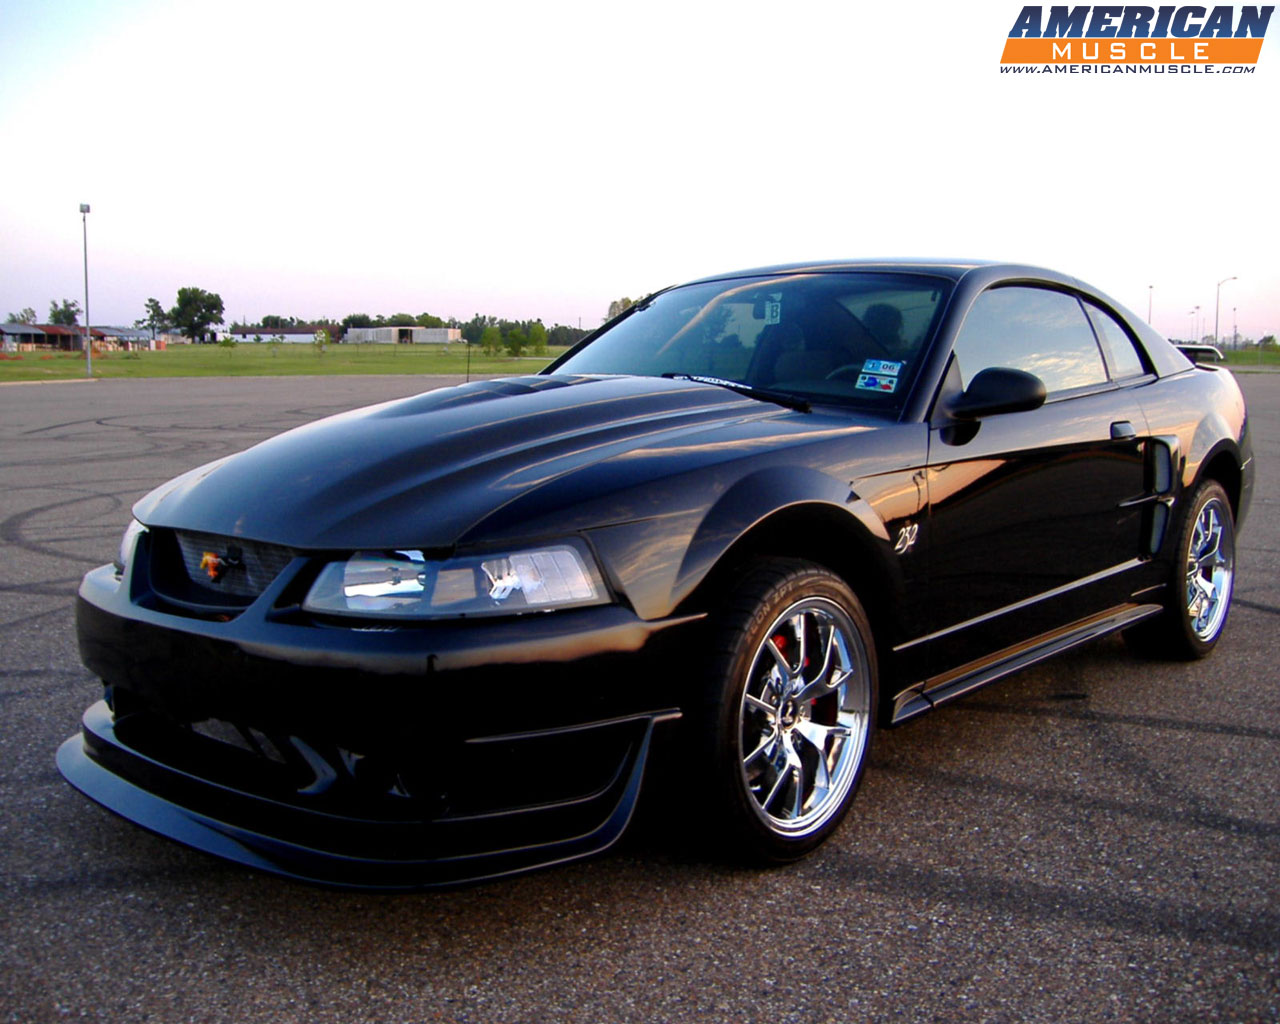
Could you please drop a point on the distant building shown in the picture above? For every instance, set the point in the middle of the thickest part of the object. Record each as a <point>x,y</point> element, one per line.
<point>70,339</point>
<point>126,337</point>
<point>401,336</point>
<point>297,335</point>
<point>15,336</point>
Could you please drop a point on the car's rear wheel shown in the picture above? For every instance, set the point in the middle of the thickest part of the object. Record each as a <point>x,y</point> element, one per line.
<point>790,712</point>
<point>1201,583</point>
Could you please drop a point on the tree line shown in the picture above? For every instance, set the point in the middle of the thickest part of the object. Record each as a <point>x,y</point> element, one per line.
<point>61,314</point>
<point>196,313</point>
<point>495,335</point>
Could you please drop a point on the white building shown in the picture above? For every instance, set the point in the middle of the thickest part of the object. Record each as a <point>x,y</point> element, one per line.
<point>401,336</point>
<point>302,335</point>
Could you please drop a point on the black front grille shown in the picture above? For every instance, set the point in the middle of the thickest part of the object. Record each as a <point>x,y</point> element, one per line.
<point>206,573</point>
<point>229,565</point>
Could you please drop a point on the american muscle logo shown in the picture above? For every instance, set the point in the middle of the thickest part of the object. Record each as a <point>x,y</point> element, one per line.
<point>1137,35</point>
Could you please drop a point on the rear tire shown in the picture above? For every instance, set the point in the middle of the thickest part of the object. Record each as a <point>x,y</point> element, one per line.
<point>1200,582</point>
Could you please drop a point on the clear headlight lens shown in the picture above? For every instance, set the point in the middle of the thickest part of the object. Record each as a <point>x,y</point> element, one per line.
<point>127,543</point>
<point>404,584</point>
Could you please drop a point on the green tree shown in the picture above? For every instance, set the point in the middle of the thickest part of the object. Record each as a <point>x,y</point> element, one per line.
<point>402,320</point>
<point>565,336</point>
<point>1267,342</point>
<point>516,340</point>
<point>537,338</point>
<point>26,316</point>
<point>491,340</point>
<point>320,341</point>
<point>195,312</point>
<point>156,319</point>
<point>619,306</point>
<point>427,320</point>
<point>473,329</point>
<point>66,315</point>
<point>357,320</point>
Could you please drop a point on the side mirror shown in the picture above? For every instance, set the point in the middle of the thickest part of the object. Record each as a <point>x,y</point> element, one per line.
<point>999,389</point>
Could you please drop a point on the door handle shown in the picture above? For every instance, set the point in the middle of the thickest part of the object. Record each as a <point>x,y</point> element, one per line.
<point>1122,430</point>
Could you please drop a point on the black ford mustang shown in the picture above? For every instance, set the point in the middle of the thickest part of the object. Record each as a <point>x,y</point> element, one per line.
<point>740,526</point>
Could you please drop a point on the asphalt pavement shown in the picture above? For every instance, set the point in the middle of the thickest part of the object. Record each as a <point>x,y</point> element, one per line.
<point>1094,839</point>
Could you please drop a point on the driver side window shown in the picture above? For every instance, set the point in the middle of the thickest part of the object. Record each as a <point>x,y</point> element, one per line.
<point>1038,330</point>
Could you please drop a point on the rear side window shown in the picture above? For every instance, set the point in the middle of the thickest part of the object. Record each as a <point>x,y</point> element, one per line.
<point>1038,330</point>
<point>1121,353</point>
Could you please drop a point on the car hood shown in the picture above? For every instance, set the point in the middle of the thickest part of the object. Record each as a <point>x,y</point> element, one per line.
<point>422,471</point>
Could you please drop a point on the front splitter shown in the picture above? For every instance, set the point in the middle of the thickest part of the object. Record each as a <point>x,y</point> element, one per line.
<point>210,817</point>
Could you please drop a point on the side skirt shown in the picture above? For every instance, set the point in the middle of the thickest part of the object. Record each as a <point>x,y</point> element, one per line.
<point>939,689</point>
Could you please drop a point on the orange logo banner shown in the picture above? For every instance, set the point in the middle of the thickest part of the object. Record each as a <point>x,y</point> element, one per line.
<point>1131,51</point>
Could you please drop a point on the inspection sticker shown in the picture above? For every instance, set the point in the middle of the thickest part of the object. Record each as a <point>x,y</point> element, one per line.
<point>881,367</point>
<point>870,382</point>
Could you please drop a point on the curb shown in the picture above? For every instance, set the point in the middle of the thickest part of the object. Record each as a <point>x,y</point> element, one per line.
<point>59,380</point>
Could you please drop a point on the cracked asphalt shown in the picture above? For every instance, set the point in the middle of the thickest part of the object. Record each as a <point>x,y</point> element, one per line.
<point>1094,839</point>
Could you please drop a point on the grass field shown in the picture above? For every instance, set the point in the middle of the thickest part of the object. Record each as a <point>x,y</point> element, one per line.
<point>1245,359</point>
<point>262,360</point>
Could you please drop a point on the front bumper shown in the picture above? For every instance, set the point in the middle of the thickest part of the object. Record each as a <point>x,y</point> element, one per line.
<point>398,759</point>
<point>341,850</point>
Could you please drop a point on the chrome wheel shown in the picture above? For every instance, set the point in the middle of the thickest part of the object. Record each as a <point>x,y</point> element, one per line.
<point>1210,569</point>
<point>1201,570</point>
<point>805,717</point>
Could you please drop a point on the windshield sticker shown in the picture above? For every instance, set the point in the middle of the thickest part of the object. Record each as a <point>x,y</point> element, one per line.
<point>870,382</point>
<point>772,313</point>
<point>882,367</point>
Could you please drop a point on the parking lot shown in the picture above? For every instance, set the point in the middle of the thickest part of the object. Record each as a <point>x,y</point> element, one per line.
<point>1095,839</point>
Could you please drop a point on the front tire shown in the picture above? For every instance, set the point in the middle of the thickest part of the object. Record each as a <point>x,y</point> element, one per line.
<point>790,710</point>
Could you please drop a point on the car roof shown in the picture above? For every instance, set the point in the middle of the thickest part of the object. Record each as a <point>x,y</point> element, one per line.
<point>953,268</point>
<point>979,274</point>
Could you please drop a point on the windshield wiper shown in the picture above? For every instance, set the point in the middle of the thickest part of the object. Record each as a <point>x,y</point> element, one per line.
<point>761,394</point>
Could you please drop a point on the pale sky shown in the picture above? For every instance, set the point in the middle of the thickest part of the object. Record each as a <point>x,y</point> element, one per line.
<point>540,159</point>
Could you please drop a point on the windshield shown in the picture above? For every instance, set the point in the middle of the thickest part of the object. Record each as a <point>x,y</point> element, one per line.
<point>845,337</point>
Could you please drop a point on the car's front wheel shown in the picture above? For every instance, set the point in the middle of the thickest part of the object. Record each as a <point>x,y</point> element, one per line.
<point>791,708</point>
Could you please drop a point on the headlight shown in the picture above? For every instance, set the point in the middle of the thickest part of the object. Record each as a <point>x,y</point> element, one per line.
<point>404,584</point>
<point>127,543</point>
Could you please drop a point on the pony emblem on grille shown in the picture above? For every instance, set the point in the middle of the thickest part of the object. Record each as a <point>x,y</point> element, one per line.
<point>217,566</point>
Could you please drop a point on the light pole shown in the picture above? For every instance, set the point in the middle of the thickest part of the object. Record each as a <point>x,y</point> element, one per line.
<point>1150,292</point>
<point>88,331</point>
<point>1192,313</point>
<point>1217,302</point>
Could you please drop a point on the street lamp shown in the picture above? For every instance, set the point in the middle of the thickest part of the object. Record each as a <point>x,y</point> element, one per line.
<point>1150,291</point>
<point>1217,303</point>
<point>88,332</point>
